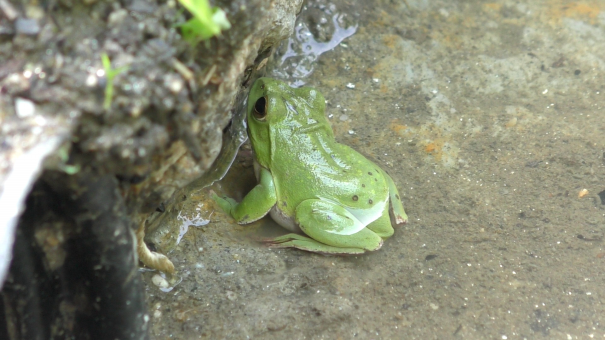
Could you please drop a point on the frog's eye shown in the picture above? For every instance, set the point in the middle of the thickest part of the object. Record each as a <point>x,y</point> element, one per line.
<point>260,108</point>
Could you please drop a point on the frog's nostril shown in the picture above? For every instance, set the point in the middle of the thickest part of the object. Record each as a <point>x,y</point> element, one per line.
<point>260,108</point>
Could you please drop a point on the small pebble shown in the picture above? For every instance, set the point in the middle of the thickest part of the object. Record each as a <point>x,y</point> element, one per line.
<point>159,281</point>
<point>174,84</point>
<point>92,80</point>
<point>231,295</point>
<point>117,17</point>
<point>27,26</point>
<point>24,108</point>
<point>511,122</point>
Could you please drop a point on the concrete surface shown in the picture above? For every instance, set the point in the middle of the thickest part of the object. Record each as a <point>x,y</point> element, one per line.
<point>489,117</point>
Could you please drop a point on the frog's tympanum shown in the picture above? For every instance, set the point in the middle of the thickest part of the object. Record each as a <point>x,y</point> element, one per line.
<point>333,199</point>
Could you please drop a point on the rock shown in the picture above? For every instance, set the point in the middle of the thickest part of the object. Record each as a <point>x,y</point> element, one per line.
<point>27,26</point>
<point>162,129</point>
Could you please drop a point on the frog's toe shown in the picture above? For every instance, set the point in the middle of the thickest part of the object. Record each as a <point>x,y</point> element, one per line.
<point>225,203</point>
<point>282,239</point>
<point>307,244</point>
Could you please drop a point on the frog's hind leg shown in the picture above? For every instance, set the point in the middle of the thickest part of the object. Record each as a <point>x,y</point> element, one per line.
<point>382,226</point>
<point>331,230</point>
<point>397,213</point>
<point>305,243</point>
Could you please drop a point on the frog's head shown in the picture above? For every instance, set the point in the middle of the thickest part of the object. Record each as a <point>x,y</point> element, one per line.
<point>274,107</point>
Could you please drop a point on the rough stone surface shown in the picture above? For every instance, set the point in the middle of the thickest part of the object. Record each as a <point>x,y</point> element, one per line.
<point>164,125</point>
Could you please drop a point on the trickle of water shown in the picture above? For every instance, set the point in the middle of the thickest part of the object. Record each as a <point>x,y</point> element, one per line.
<point>196,221</point>
<point>303,49</point>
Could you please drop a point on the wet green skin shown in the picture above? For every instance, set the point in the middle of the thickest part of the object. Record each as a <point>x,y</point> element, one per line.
<point>309,183</point>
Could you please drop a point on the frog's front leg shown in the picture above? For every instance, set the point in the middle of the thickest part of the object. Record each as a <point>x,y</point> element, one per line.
<point>255,205</point>
<point>331,230</point>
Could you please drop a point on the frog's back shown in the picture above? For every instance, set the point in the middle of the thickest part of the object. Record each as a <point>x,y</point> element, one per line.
<point>313,165</point>
<point>307,163</point>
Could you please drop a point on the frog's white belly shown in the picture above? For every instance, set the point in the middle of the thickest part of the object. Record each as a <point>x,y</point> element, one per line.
<point>364,217</point>
<point>369,215</point>
<point>287,222</point>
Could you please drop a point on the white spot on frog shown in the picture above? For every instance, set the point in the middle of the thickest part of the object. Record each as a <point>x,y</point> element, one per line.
<point>290,107</point>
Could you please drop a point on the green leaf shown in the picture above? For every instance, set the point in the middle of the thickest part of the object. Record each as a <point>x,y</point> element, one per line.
<point>206,22</point>
<point>109,75</point>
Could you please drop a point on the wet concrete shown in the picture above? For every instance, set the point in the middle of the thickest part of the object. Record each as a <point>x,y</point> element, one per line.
<point>489,117</point>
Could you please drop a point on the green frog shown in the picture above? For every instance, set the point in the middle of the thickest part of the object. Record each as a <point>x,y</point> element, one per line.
<point>333,199</point>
